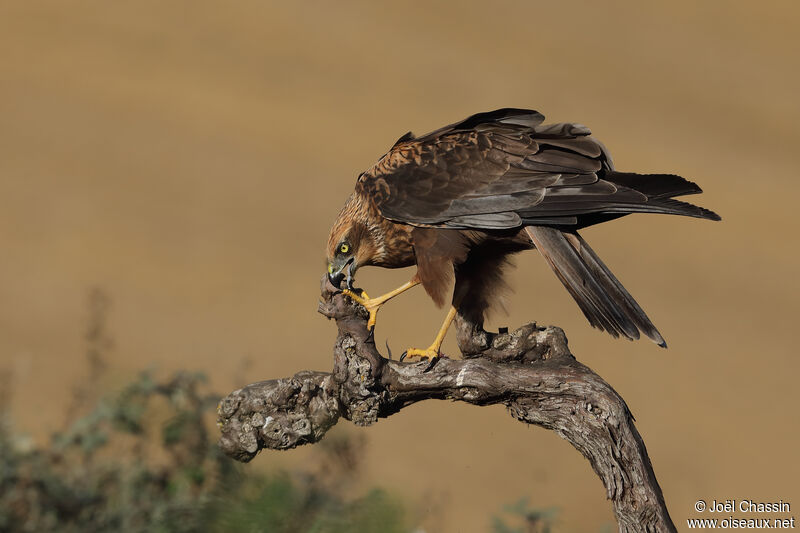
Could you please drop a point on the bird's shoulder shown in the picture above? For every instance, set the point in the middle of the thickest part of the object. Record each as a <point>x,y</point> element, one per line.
<point>449,155</point>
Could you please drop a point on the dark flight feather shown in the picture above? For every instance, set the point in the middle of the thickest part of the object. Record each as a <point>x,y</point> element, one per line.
<point>588,286</point>
<point>615,289</point>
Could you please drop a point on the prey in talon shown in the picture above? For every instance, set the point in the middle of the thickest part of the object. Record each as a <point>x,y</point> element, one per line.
<point>458,201</point>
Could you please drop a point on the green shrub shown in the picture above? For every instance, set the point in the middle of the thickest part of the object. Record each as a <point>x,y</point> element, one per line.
<point>145,461</point>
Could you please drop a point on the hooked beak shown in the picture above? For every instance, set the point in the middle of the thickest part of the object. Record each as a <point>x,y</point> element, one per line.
<point>338,270</point>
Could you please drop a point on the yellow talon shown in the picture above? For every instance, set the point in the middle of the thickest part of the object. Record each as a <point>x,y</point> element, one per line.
<point>432,352</point>
<point>374,304</point>
<point>356,297</point>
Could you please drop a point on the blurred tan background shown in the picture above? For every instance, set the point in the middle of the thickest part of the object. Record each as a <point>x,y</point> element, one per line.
<point>188,158</point>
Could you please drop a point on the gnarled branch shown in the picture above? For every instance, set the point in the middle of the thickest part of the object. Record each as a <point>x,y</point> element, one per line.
<point>531,371</point>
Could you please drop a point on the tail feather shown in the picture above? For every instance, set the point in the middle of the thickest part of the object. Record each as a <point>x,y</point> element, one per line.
<point>664,206</point>
<point>654,185</point>
<point>677,207</point>
<point>661,189</point>
<point>599,294</point>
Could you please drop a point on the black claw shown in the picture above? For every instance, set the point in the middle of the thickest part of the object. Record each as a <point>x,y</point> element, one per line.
<point>371,336</point>
<point>432,363</point>
<point>403,356</point>
<point>389,350</point>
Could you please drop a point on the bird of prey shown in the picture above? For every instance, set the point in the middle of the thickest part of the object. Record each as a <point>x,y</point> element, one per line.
<point>458,201</point>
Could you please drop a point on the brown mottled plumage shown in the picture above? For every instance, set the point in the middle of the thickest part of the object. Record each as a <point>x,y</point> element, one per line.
<point>458,201</point>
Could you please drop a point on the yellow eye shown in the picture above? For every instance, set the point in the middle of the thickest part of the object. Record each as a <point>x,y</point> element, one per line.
<point>344,248</point>
<point>330,268</point>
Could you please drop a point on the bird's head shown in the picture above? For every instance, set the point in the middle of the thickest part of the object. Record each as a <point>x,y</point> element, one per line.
<point>351,244</point>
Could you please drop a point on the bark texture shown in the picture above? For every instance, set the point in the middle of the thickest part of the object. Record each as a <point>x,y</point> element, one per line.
<point>531,371</point>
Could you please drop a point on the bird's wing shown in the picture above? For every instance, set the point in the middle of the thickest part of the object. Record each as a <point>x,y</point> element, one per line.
<point>504,169</point>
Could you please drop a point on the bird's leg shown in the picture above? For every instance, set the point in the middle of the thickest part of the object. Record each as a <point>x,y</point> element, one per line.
<point>432,351</point>
<point>374,304</point>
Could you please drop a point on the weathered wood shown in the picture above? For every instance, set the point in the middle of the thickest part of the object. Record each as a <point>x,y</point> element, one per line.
<point>531,371</point>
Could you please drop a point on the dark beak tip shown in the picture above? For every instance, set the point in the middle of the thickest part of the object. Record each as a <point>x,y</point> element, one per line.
<point>336,279</point>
